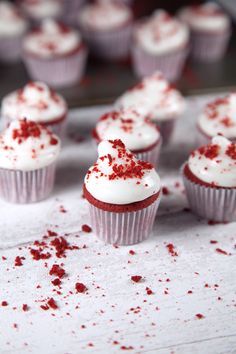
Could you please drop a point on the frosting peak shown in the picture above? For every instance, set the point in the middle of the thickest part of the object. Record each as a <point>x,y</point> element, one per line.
<point>118,177</point>
<point>11,21</point>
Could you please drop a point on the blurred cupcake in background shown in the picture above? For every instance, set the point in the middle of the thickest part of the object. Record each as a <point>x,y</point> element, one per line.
<point>160,42</point>
<point>106,26</point>
<point>138,133</point>
<point>155,98</point>
<point>28,154</point>
<point>54,53</point>
<point>37,101</point>
<point>13,26</point>
<point>218,118</point>
<point>38,10</point>
<point>210,30</point>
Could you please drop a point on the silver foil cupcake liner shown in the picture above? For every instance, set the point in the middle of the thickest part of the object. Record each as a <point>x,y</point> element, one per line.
<point>26,186</point>
<point>215,204</point>
<point>207,46</point>
<point>109,45</point>
<point>170,64</point>
<point>125,228</point>
<point>57,72</point>
<point>152,155</point>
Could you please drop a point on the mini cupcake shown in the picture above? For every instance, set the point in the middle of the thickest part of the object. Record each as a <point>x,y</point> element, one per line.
<point>106,27</point>
<point>39,10</point>
<point>210,180</point>
<point>160,43</point>
<point>210,30</point>
<point>37,101</point>
<point>12,29</point>
<point>28,153</point>
<point>156,98</point>
<point>218,118</point>
<point>55,54</point>
<point>123,195</point>
<point>139,134</point>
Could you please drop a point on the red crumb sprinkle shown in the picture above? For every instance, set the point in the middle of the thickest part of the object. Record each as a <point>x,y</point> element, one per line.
<point>44,307</point>
<point>209,151</point>
<point>27,129</point>
<point>4,303</point>
<point>18,261</point>
<point>51,233</point>
<point>38,254</point>
<point>136,278</point>
<point>219,250</point>
<point>86,228</point>
<point>231,151</point>
<point>57,271</point>
<point>56,282</point>
<point>131,252</point>
<point>80,288</point>
<point>25,307</point>
<point>171,250</point>
<point>52,303</point>
<point>199,316</point>
<point>123,347</point>
<point>165,191</point>
<point>190,292</point>
<point>149,291</point>
<point>213,242</point>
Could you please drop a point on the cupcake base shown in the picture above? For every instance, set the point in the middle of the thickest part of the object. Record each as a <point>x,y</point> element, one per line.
<point>150,155</point>
<point>170,64</point>
<point>26,186</point>
<point>57,72</point>
<point>166,128</point>
<point>212,203</point>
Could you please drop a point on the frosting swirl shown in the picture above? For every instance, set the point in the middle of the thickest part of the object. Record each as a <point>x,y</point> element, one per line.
<point>205,17</point>
<point>35,100</point>
<point>215,163</point>
<point>52,39</point>
<point>118,177</point>
<point>153,97</point>
<point>11,22</point>
<point>104,15</point>
<point>219,117</point>
<point>136,132</point>
<point>161,33</point>
<point>27,146</point>
<point>41,9</point>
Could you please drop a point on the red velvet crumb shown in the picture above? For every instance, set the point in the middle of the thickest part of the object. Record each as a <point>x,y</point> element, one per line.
<point>86,228</point>
<point>136,278</point>
<point>80,287</point>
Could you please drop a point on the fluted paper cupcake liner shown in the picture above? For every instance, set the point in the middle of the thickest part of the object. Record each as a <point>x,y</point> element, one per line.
<point>57,72</point>
<point>170,64</point>
<point>10,48</point>
<point>26,186</point>
<point>109,45</point>
<point>209,47</point>
<point>125,228</point>
<point>152,155</point>
<point>166,128</point>
<point>215,204</point>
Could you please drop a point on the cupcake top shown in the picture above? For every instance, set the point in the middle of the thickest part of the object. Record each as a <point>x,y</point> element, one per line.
<point>52,39</point>
<point>205,17</point>
<point>11,21</point>
<point>41,9</point>
<point>27,146</point>
<point>35,100</point>
<point>104,15</point>
<point>154,97</point>
<point>136,132</point>
<point>215,163</point>
<point>219,117</point>
<point>161,33</point>
<point>118,177</point>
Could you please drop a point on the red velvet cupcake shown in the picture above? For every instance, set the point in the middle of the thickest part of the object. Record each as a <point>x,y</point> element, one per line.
<point>210,180</point>
<point>139,134</point>
<point>123,195</point>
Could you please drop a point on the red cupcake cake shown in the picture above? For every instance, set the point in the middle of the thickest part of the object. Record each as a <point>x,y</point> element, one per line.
<point>139,134</point>
<point>123,195</point>
<point>210,180</point>
<point>38,101</point>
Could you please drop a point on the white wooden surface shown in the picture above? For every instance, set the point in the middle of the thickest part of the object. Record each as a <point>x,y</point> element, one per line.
<point>116,315</point>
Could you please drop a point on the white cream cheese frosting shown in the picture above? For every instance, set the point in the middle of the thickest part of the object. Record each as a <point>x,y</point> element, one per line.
<point>219,117</point>
<point>215,163</point>
<point>52,39</point>
<point>11,22</point>
<point>118,177</point>
<point>27,146</point>
<point>153,97</point>
<point>35,100</point>
<point>104,15</point>
<point>161,34</point>
<point>134,130</point>
<point>41,9</point>
<point>205,17</point>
